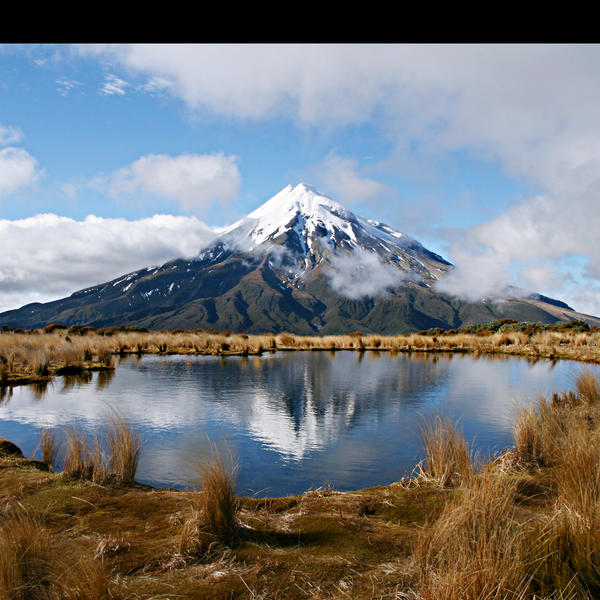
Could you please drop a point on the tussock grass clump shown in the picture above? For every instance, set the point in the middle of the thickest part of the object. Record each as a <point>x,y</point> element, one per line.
<point>539,433</point>
<point>569,539</point>
<point>566,540</point>
<point>81,460</point>
<point>577,475</point>
<point>212,522</point>
<point>25,558</point>
<point>116,461</point>
<point>195,542</point>
<point>38,361</point>
<point>588,387</point>
<point>32,567</point>
<point>449,461</point>
<point>187,542</point>
<point>217,501</point>
<point>287,339</point>
<point>475,551</point>
<point>49,446</point>
<point>542,432</point>
<point>124,446</point>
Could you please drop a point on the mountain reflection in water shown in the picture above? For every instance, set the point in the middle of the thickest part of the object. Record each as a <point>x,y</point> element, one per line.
<point>295,420</point>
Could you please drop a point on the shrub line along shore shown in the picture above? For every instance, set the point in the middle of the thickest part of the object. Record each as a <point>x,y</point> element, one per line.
<point>522,526</point>
<point>35,356</point>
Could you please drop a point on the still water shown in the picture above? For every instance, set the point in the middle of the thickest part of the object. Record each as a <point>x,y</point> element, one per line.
<point>294,420</point>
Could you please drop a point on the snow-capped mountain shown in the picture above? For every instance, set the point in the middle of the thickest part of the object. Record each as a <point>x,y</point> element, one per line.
<point>301,262</point>
<point>304,229</point>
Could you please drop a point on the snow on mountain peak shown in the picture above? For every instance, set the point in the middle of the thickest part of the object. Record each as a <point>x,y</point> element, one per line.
<point>301,204</point>
<point>311,229</point>
<point>302,200</point>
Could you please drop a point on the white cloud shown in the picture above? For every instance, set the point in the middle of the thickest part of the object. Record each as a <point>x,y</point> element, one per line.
<point>540,276</point>
<point>342,176</point>
<point>455,94</point>
<point>258,80</point>
<point>47,256</point>
<point>477,274</point>
<point>65,85</point>
<point>585,299</point>
<point>550,229</point>
<point>361,274</point>
<point>18,169</point>
<point>113,86</point>
<point>70,190</point>
<point>195,181</point>
<point>156,86</point>
<point>9,135</point>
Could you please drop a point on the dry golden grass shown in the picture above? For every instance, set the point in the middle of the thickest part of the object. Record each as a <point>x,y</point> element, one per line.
<point>475,551</point>
<point>117,461</point>
<point>448,459</point>
<point>50,447</point>
<point>25,558</point>
<point>482,548</point>
<point>217,502</point>
<point>187,541</point>
<point>588,387</point>
<point>487,545</point>
<point>569,539</point>
<point>577,475</point>
<point>83,460</point>
<point>539,432</point>
<point>124,446</point>
<point>542,433</point>
<point>32,568</point>
<point>27,356</point>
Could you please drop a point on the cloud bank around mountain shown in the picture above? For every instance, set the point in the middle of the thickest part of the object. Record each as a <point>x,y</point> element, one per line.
<point>47,257</point>
<point>361,274</point>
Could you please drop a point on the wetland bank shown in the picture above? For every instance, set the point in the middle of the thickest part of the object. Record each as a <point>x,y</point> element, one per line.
<point>533,495</point>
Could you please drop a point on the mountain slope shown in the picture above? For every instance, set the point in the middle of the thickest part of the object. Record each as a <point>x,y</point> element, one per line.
<point>301,263</point>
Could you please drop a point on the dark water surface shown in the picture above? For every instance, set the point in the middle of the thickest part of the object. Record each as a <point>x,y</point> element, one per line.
<point>295,420</point>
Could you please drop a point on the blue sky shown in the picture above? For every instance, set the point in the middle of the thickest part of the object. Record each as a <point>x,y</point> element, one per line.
<point>486,154</point>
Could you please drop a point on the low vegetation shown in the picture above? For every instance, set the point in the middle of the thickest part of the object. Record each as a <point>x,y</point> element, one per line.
<point>448,459</point>
<point>112,455</point>
<point>37,355</point>
<point>524,526</point>
<point>218,503</point>
<point>34,567</point>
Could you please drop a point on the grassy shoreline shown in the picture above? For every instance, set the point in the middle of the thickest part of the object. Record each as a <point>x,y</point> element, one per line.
<point>524,526</point>
<point>36,356</point>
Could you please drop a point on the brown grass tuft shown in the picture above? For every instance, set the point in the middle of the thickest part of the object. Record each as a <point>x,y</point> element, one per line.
<point>25,558</point>
<point>124,446</point>
<point>32,566</point>
<point>218,503</point>
<point>474,550</point>
<point>588,387</point>
<point>539,432</point>
<point>80,460</point>
<point>449,461</point>
<point>118,461</point>
<point>50,447</point>
<point>570,535</point>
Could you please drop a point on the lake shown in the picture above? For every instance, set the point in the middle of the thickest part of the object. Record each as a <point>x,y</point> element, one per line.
<point>294,420</point>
